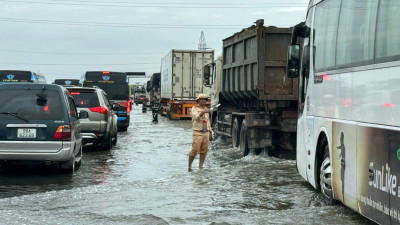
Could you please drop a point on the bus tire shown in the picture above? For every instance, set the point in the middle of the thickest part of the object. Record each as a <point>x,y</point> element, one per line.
<point>235,132</point>
<point>244,146</point>
<point>326,175</point>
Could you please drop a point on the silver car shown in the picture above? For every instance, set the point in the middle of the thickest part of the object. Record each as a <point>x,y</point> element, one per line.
<point>100,128</point>
<point>39,123</point>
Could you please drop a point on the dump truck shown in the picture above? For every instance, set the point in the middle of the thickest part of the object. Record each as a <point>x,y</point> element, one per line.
<point>182,80</point>
<point>253,102</point>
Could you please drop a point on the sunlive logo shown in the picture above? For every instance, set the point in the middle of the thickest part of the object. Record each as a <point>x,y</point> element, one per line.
<point>106,78</point>
<point>10,76</point>
<point>67,82</point>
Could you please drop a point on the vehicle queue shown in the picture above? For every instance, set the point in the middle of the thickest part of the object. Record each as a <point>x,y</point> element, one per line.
<point>50,123</point>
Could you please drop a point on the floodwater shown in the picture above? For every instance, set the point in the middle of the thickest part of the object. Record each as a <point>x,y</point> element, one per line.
<point>144,180</point>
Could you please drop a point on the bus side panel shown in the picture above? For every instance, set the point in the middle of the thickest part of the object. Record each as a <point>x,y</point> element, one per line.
<point>372,157</point>
<point>344,154</point>
<point>394,165</point>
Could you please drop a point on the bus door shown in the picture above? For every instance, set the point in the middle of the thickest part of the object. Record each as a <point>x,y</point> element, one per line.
<point>305,121</point>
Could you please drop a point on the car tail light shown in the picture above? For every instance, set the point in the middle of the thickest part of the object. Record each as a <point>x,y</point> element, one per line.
<point>63,133</point>
<point>75,93</point>
<point>100,109</point>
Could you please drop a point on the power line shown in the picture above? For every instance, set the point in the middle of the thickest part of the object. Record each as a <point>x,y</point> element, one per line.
<point>150,25</point>
<point>81,53</point>
<point>163,5</point>
<point>77,64</point>
<point>147,26</point>
<point>64,72</point>
<point>180,3</point>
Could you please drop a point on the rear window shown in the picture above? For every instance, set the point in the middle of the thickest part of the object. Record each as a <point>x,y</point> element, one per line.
<point>67,82</point>
<point>15,76</point>
<point>85,99</point>
<point>30,104</point>
<point>114,91</point>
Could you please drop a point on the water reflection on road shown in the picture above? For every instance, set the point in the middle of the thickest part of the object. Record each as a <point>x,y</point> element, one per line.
<point>144,180</point>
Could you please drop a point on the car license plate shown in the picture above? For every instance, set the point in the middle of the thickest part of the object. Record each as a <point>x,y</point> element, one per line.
<point>26,133</point>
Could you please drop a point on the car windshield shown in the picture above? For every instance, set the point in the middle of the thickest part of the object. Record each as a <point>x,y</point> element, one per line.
<point>30,104</point>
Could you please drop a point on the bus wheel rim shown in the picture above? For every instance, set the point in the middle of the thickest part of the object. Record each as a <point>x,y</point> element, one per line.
<point>326,178</point>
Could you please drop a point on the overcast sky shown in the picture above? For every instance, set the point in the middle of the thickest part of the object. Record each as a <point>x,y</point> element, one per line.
<point>65,38</point>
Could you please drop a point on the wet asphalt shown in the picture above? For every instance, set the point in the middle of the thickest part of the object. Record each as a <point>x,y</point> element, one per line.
<point>144,180</point>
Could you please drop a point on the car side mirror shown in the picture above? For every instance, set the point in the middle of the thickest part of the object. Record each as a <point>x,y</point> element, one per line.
<point>293,61</point>
<point>83,114</point>
<point>115,106</point>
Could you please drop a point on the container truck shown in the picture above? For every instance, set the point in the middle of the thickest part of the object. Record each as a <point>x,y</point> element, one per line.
<point>182,80</point>
<point>253,102</point>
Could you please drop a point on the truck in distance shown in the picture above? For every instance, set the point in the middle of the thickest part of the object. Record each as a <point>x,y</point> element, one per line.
<point>182,81</point>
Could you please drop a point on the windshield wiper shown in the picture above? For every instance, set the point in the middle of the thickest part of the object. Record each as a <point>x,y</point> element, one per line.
<point>15,115</point>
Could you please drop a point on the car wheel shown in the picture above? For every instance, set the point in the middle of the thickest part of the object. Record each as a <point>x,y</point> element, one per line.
<point>68,166</point>
<point>326,176</point>
<point>107,144</point>
<point>114,142</point>
<point>244,146</point>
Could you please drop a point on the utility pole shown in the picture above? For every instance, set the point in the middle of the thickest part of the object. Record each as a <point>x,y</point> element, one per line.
<point>202,42</point>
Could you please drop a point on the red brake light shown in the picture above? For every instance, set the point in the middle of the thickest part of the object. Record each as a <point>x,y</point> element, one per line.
<point>106,72</point>
<point>75,93</point>
<point>63,133</point>
<point>46,108</point>
<point>101,109</point>
<point>128,106</point>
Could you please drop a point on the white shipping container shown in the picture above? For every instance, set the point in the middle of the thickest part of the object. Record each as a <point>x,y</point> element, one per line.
<point>182,74</point>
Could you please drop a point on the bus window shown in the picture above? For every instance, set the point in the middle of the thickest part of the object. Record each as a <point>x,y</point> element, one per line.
<point>325,26</point>
<point>356,33</point>
<point>388,31</point>
<point>8,76</point>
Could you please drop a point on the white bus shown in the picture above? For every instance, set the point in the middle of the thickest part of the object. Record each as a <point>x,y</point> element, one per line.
<point>348,129</point>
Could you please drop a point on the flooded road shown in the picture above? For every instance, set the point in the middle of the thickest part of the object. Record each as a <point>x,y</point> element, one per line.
<point>144,180</point>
